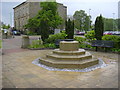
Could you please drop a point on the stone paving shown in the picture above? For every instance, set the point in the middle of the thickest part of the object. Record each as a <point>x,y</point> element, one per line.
<point>19,72</point>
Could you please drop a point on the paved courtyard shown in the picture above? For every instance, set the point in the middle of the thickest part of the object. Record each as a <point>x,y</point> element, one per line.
<point>19,72</point>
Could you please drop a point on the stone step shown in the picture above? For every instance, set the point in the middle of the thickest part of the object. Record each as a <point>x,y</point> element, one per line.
<point>75,57</point>
<point>59,52</point>
<point>69,64</point>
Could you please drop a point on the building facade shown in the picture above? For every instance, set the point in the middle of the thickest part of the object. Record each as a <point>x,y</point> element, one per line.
<point>119,9</point>
<point>27,10</point>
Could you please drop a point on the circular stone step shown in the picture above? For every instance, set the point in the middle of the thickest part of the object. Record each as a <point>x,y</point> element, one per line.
<point>60,52</point>
<point>58,57</point>
<point>68,64</point>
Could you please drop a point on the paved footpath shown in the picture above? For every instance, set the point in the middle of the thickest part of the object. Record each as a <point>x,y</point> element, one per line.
<point>19,72</point>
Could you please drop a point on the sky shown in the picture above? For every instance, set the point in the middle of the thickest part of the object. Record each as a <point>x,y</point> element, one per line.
<point>92,7</point>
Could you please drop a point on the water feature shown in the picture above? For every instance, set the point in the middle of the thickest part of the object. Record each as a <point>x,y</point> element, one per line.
<point>69,58</point>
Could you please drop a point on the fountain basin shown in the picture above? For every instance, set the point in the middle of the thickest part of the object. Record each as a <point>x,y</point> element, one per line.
<point>69,56</point>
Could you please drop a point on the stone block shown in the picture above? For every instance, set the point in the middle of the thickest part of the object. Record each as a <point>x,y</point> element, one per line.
<point>69,45</point>
<point>25,41</point>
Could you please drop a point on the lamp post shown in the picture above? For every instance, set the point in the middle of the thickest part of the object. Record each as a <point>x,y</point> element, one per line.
<point>89,20</point>
<point>10,19</point>
<point>113,21</point>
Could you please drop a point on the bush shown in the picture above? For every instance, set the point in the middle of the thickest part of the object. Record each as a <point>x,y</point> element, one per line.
<point>85,45</point>
<point>90,35</point>
<point>51,45</point>
<point>31,33</point>
<point>115,50</point>
<point>80,39</point>
<point>36,44</point>
<point>53,38</point>
<point>114,38</point>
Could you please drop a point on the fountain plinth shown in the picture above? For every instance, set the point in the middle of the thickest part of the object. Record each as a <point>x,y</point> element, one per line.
<point>69,56</point>
<point>69,45</point>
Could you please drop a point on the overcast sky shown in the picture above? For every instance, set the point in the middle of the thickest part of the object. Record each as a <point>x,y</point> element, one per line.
<point>104,7</point>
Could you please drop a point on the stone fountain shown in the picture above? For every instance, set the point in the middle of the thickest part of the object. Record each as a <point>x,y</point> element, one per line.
<point>69,56</point>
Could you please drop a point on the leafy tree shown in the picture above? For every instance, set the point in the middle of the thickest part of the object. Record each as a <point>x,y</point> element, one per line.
<point>108,24</point>
<point>118,20</point>
<point>49,13</point>
<point>8,26</point>
<point>99,27</point>
<point>32,25</point>
<point>49,18</point>
<point>44,29</point>
<point>87,24</point>
<point>49,10</point>
<point>70,29</point>
<point>5,26</point>
<point>82,20</point>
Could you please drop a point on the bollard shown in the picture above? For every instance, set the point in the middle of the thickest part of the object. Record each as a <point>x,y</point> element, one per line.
<point>25,41</point>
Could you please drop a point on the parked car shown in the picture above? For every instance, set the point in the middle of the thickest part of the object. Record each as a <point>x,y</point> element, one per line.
<point>80,33</point>
<point>16,33</point>
<point>112,33</point>
<point>107,33</point>
<point>116,33</point>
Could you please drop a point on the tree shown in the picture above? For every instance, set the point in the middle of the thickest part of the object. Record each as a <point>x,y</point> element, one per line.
<point>5,26</point>
<point>70,29</point>
<point>118,20</point>
<point>87,24</point>
<point>49,13</point>
<point>81,20</point>
<point>8,26</point>
<point>49,18</point>
<point>44,29</point>
<point>32,25</point>
<point>99,27</point>
<point>108,24</point>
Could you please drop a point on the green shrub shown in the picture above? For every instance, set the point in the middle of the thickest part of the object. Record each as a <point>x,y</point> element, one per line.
<point>36,44</point>
<point>90,35</point>
<point>85,45</point>
<point>51,45</point>
<point>114,38</point>
<point>53,38</point>
<point>31,33</point>
<point>80,39</point>
<point>115,50</point>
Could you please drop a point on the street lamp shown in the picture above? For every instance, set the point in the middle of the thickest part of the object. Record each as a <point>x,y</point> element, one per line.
<point>113,21</point>
<point>10,19</point>
<point>89,20</point>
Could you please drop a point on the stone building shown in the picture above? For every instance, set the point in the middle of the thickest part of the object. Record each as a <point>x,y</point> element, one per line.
<point>119,9</point>
<point>27,10</point>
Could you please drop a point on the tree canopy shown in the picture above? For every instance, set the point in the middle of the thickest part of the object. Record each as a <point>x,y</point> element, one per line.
<point>5,26</point>
<point>82,20</point>
<point>99,27</point>
<point>69,29</point>
<point>49,13</point>
<point>110,23</point>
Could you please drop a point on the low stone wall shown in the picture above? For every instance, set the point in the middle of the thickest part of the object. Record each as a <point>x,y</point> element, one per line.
<point>25,41</point>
